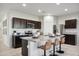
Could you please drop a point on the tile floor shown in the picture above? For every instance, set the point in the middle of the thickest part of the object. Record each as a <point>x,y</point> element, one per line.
<point>5,51</point>
<point>70,50</point>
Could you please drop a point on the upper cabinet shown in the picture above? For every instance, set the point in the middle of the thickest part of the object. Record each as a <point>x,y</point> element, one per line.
<point>33,24</point>
<point>19,23</point>
<point>37,25</point>
<point>69,24</point>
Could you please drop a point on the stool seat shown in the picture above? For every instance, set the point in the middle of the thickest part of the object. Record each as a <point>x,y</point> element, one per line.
<point>54,44</point>
<point>46,46</point>
<point>61,42</point>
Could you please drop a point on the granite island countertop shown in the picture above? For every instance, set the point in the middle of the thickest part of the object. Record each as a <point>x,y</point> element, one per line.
<point>30,45</point>
<point>42,38</point>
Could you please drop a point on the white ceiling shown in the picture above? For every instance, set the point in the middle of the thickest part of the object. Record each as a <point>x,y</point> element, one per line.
<point>48,8</point>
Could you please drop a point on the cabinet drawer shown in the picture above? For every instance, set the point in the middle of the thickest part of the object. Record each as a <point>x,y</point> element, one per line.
<point>70,39</point>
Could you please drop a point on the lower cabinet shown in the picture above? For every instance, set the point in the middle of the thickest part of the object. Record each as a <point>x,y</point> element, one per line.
<point>16,42</point>
<point>24,47</point>
<point>70,39</point>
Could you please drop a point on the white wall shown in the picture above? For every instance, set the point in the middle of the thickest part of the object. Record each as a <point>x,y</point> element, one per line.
<point>52,19</point>
<point>55,20</point>
<point>48,22</point>
<point>3,17</point>
<point>61,20</point>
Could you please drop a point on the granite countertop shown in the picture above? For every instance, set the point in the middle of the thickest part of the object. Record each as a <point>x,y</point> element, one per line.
<point>30,39</point>
<point>41,38</point>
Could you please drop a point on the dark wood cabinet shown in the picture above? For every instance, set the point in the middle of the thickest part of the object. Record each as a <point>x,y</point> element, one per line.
<point>24,23</point>
<point>70,39</point>
<point>70,23</point>
<point>16,41</point>
<point>24,48</point>
<point>30,24</point>
<point>34,24</point>
<point>18,23</point>
<point>37,25</point>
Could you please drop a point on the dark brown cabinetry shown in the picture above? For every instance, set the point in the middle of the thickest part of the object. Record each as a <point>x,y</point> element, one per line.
<point>70,39</point>
<point>24,47</point>
<point>16,41</point>
<point>70,23</point>
<point>18,23</point>
<point>24,23</point>
<point>37,25</point>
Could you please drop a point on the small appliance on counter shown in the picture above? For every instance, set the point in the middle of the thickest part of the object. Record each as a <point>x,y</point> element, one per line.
<point>58,34</point>
<point>29,33</point>
<point>36,35</point>
<point>51,35</point>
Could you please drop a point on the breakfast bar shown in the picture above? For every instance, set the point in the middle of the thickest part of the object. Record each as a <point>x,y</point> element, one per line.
<point>30,44</point>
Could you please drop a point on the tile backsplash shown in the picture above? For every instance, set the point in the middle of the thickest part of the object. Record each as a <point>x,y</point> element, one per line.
<point>70,31</point>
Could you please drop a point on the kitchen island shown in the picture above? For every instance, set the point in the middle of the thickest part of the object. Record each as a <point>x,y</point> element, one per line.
<point>30,45</point>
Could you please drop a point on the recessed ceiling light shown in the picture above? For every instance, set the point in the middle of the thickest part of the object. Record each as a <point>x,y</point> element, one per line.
<point>24,5</point>
<point>66,9</point>
<point>39,10</point>
<point>57,3</point>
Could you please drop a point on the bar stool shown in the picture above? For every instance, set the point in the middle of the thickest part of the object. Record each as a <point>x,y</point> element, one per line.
<point>54,44</point>
<point>62,40</point>
<point>46,46</point>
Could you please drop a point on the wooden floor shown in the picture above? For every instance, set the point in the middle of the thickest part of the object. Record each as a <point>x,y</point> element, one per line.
<point>70,50</point>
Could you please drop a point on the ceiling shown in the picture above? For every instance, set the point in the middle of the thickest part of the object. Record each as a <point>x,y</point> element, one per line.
<point>47,8</point>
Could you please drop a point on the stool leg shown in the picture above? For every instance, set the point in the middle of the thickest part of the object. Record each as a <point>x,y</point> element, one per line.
<point>53,51</point>
<point>44,52</point>
<point>60,51</point>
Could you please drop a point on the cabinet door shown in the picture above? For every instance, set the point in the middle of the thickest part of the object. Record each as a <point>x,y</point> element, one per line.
<point>22,23</point>
<point>67,39</point>
<point>70,39</point>
<point>29,24</point>
<point>24,48</point>
<point>37,25</point>
<point>16,42</point>
<point>16,23</point>
<point>71,23</point>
